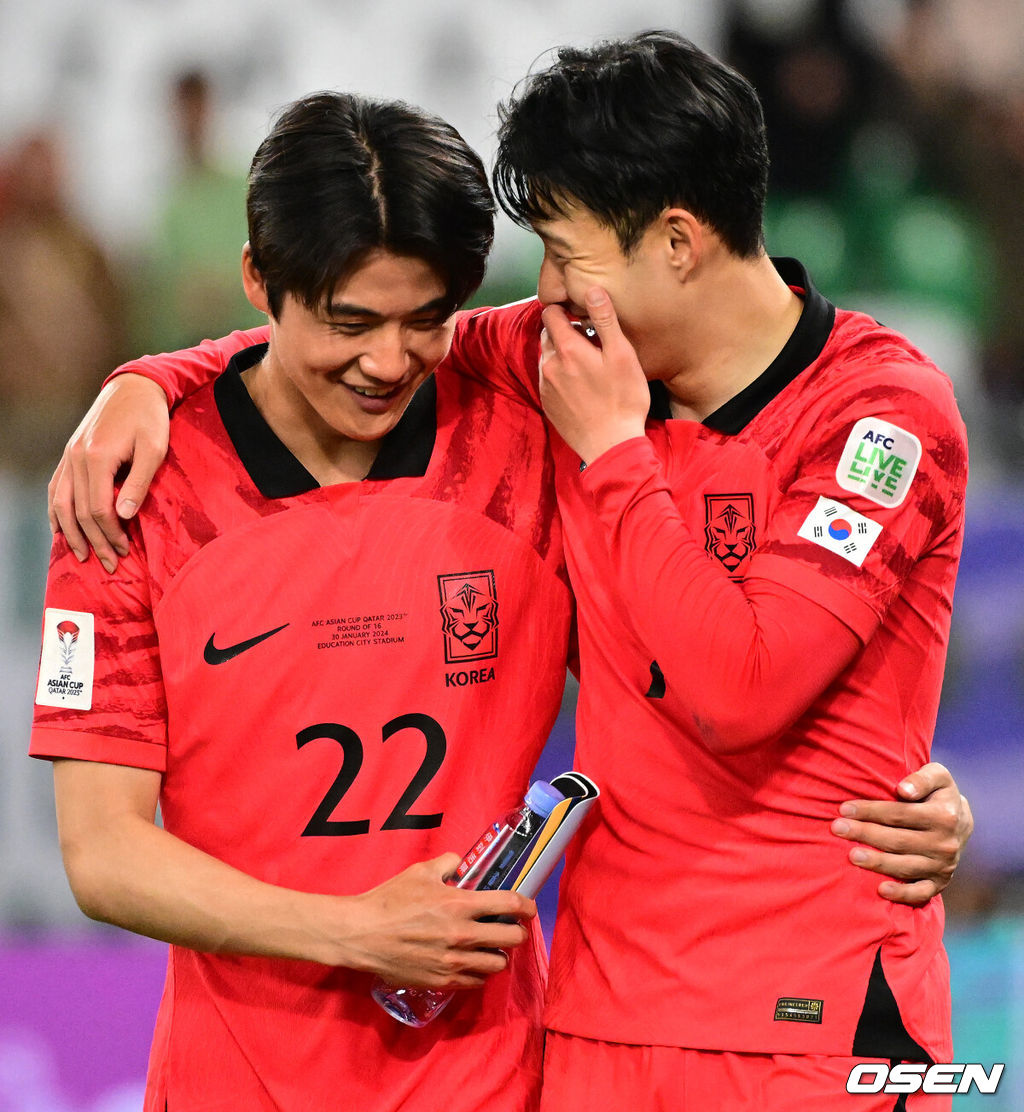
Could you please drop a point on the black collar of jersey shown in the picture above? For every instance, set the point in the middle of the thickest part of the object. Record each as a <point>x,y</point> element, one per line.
<point>405,451</point>
<point>802,348</point>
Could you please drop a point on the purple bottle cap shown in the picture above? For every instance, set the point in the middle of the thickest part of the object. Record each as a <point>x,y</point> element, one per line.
<point>542,797</point>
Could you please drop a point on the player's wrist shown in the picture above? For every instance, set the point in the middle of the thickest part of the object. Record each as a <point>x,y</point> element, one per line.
<point>595,445</point>
<point>331,927</point>
<point>132,383</point>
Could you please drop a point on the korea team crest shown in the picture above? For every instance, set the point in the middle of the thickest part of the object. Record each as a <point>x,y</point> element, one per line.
<point>469,616</point>
<point>729,534</point>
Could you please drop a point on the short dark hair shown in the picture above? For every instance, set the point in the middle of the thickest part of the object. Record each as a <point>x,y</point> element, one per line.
<point>629,128</point>
<point>340,175</point>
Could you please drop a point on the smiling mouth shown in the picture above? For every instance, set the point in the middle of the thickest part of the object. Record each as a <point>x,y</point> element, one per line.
<point>375,392</point>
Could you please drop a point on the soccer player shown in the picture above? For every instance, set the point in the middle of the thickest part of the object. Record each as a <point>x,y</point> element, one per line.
<point>726,656</point>
<point>320,658</point>
<point>763,504</point>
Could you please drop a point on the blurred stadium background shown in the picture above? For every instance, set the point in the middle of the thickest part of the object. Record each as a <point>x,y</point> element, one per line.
<point>897,131</point>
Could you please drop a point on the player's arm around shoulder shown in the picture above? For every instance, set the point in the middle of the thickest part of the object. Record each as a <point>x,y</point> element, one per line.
<point>500,349</point>
<point>127,426</point>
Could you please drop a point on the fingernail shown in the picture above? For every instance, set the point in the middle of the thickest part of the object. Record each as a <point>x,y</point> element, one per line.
<point>126,507</point>
<point>908,787</point>
<point>859,856</point>
<point>841,828</point>
<point>121,549</point>
<point>848,810</point>
<point>109,565</point>
<point>596,296</point>
<point>81,557</point>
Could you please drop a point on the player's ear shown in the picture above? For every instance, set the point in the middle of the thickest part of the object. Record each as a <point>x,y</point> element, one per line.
<point>252,282</point>
<point>683,237</point>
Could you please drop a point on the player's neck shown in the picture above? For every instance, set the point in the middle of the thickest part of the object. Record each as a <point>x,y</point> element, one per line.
<point>328,456</point>
<point>746,315</point>
<point>347,463</point>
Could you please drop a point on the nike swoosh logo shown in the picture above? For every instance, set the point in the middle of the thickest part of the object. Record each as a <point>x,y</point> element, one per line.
<point>213,655</point>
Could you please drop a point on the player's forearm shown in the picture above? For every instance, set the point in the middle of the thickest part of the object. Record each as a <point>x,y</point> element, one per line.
<point>498,348</point>
<point>181,373</point>
<point>134,875</point>
<point>744,660</point>
<point>411,929</point>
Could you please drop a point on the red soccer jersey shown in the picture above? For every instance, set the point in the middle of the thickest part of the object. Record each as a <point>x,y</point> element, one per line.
<point>335,683</point>
<point>708,904</point>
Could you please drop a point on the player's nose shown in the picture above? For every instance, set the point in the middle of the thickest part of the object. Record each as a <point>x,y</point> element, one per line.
<point>389,360</point>
<point>550,284</point>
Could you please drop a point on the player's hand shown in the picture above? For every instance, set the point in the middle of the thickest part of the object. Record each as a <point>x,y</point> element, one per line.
<point>127,423</point>
<point>596,397</point>
<point>918,843</point>
<point>416,930</point>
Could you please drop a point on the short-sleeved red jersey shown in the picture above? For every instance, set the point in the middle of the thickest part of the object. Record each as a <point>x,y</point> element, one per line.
<point>708,904</point>
<point>335,683</point>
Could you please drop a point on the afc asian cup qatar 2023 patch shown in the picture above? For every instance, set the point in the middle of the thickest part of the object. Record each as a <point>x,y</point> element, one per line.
<point>841,530</point>
<point>67,661</point>
<point>879,461</point>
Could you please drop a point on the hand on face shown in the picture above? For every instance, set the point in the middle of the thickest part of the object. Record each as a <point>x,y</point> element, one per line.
<point>596,397</point>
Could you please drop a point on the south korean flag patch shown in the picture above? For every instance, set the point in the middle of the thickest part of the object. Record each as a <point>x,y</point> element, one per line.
<point>841,530</point>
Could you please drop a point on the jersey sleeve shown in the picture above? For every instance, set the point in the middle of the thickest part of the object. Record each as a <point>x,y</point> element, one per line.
<point>181,373</point>
<point>751,656</point>
<point>99,694</point>
<point>879,484</point>
<point>501,349</point>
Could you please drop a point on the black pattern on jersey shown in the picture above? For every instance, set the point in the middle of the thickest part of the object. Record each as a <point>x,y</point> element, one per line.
<point>657,688</point>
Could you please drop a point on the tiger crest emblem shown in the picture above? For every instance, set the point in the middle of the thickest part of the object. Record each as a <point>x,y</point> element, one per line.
<point>469,616</point>
<point>729,529</point>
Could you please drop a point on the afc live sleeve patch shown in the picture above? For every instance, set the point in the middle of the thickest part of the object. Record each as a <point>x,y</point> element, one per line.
<point>879,461</point>
<point>67,660</point>
<point>841,530</point>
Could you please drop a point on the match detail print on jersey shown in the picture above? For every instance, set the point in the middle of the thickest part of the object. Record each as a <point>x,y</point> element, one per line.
<point>879,461</point>
<point>67,660</point>
<point>841,530</point>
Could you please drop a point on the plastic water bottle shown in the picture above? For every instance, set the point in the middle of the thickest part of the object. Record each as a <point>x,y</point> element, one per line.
<point>484,867</point>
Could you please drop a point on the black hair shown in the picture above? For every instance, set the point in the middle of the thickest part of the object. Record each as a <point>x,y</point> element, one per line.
<point>341,175</point>
<point>629,128</point>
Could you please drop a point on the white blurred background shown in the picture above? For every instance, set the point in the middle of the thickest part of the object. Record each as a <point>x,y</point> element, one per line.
<point>126,127</point>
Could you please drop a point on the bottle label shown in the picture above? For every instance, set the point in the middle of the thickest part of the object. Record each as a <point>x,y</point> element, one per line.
<point>477,853</point>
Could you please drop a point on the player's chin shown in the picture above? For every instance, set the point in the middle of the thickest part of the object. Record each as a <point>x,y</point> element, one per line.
<point>360,425</point>
<point>368,429</point>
